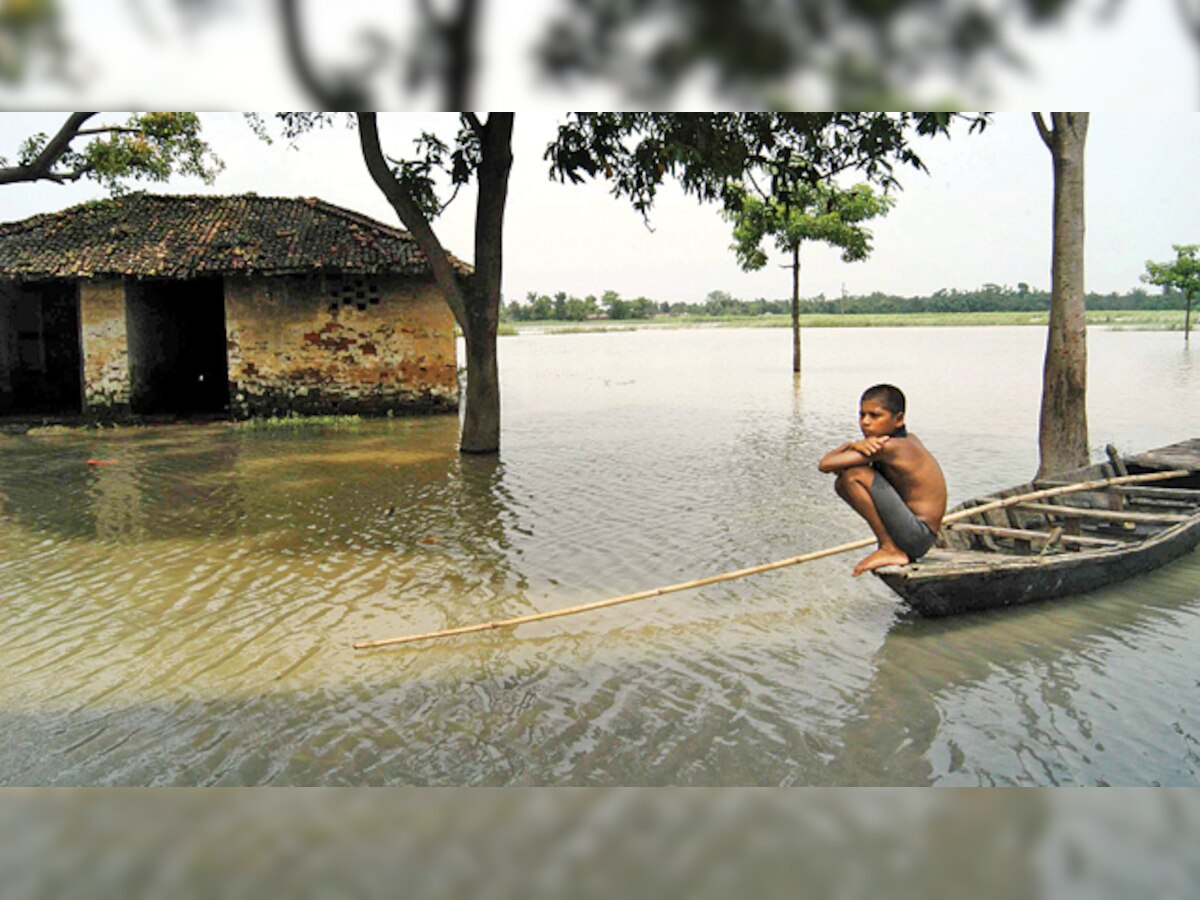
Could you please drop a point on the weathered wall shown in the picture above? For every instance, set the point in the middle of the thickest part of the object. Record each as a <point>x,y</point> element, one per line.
<point>326,345</point>
<point>8,343</point>
<point>106,387</point>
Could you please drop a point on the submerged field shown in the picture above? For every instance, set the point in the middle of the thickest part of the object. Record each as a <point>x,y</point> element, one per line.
<point>1131,319</point>
<point>185,614</point>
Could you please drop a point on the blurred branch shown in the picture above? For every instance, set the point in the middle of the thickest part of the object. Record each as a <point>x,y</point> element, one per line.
<point>444,50</point>
<point>332,93</point>
<point>1191,16</point>
<point>30,29</point>
<point>865,50</point>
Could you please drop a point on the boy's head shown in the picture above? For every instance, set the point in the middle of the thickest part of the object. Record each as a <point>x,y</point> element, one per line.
<point>881,411</point>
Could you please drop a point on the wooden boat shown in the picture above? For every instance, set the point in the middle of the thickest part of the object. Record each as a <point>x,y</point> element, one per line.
<point>1069,543</point>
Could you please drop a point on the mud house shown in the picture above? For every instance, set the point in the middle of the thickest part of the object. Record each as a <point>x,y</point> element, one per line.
<point>244,305</point>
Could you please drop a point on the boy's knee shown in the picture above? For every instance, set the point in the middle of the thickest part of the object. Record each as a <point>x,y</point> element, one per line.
<point>859,475</point>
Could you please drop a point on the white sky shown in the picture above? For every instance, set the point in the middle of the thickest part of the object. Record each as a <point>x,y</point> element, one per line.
<point>983,214</point>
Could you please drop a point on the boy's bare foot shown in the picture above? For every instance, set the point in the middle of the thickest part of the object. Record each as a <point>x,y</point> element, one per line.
<point>884,556</point>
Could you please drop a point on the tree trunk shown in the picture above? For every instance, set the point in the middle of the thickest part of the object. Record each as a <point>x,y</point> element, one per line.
<point>796,308</point>
<point>1187,320</point>
<point>1062,433</point>
<point>476,306</point>
<point>481,420</point>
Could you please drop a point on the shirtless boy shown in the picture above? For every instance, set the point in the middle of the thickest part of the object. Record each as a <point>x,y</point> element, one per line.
<point>889,479</point>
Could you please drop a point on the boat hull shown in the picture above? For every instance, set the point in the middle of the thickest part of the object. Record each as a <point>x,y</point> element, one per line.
<point>961,575</point>
<point>930,591</point>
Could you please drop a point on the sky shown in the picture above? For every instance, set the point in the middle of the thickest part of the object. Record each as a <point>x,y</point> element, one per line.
<point>982,213</point>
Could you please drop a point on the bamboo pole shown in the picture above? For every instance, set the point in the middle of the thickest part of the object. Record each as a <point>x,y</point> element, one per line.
<point>765,567</point>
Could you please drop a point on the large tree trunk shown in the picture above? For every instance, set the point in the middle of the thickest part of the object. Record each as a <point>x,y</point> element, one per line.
<point>1062,433</point>
<point>481,422</point>
<point>476,306</point>
<point>796,308</point>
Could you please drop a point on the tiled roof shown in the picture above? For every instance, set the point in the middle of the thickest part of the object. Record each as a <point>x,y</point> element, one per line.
<point>160,236</point>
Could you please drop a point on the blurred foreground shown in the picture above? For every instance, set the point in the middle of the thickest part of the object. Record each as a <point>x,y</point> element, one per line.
<point>528,843</point>
<point>358,54</point>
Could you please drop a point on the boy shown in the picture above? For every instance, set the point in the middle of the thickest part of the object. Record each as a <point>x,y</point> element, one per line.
<point>889,479</point>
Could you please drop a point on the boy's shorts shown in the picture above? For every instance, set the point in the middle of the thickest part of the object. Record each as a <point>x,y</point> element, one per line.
<point>910,533</point>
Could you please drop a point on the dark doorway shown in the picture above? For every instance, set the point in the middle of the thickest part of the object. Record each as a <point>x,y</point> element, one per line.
<point>41,365</point>
<point>177,360</point>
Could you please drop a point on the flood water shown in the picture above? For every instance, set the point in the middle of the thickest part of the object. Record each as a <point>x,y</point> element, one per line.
<point>185,613</point>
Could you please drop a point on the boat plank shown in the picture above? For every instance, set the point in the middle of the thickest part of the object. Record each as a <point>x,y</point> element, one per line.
<point>1105,514</point>
<point>1184,455</point>
<point>1138,490</point>
<point>1028,534</point>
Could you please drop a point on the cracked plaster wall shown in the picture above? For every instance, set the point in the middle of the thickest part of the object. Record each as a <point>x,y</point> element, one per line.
<point>339,345</point>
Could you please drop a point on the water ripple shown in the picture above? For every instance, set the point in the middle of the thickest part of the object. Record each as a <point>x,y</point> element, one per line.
<point>186,615</point>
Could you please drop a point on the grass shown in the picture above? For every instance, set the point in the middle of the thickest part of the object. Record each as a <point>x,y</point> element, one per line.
<point>335,422</point>
<point>504,328</point>
<point>1118,320</point>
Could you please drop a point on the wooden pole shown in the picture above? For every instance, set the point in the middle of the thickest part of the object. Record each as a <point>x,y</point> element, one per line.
<point>765,567</point>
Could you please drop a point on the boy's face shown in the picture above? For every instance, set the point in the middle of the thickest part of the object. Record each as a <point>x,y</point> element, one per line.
<point>875,420</point>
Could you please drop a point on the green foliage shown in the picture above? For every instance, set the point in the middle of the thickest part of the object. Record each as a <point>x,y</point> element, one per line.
<point>26,27</point>
<point>990,298</point>
<point>150,146</point>
<point>1182,274</point>
<point>710,154</point>
<point>867,53</point>
<point>338,423</point>
<point>433,161</point>
<point>823,212</point>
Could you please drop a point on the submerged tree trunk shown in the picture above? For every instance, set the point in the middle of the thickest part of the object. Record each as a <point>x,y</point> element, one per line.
<point>1062,432</point>
<point>476,305</point>
<point>481,422</point>
<point>796,308</point>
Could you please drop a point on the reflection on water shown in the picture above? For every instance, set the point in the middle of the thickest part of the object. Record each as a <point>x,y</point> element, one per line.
<point>184,614</point>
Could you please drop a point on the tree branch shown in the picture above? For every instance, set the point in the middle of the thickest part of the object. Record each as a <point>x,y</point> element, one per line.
<point>115,129</point>
<point>410,214</point>
<point>477,126</point>
<point>58,144</point>
<point>41,169</point>
<point>1046,133</point>
<point>19,174</point>
<point>763,194</point>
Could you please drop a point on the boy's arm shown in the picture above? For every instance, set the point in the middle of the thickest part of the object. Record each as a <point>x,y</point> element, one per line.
<point>851,454</point>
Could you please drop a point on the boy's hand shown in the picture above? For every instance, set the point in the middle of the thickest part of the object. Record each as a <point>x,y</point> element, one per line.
<point>869,446</point>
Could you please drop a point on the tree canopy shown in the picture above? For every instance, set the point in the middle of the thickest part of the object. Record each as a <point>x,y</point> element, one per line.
<point>709,154</point>
<point>823,212</point>
<point>1182,274</point>
<point>150,146</point>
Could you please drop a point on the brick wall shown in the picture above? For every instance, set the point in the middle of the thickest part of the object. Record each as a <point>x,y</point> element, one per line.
<point>339,345</point>
<point>106,386</point>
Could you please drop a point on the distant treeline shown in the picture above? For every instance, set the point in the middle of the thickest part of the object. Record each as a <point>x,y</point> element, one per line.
<point>989,298</point>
